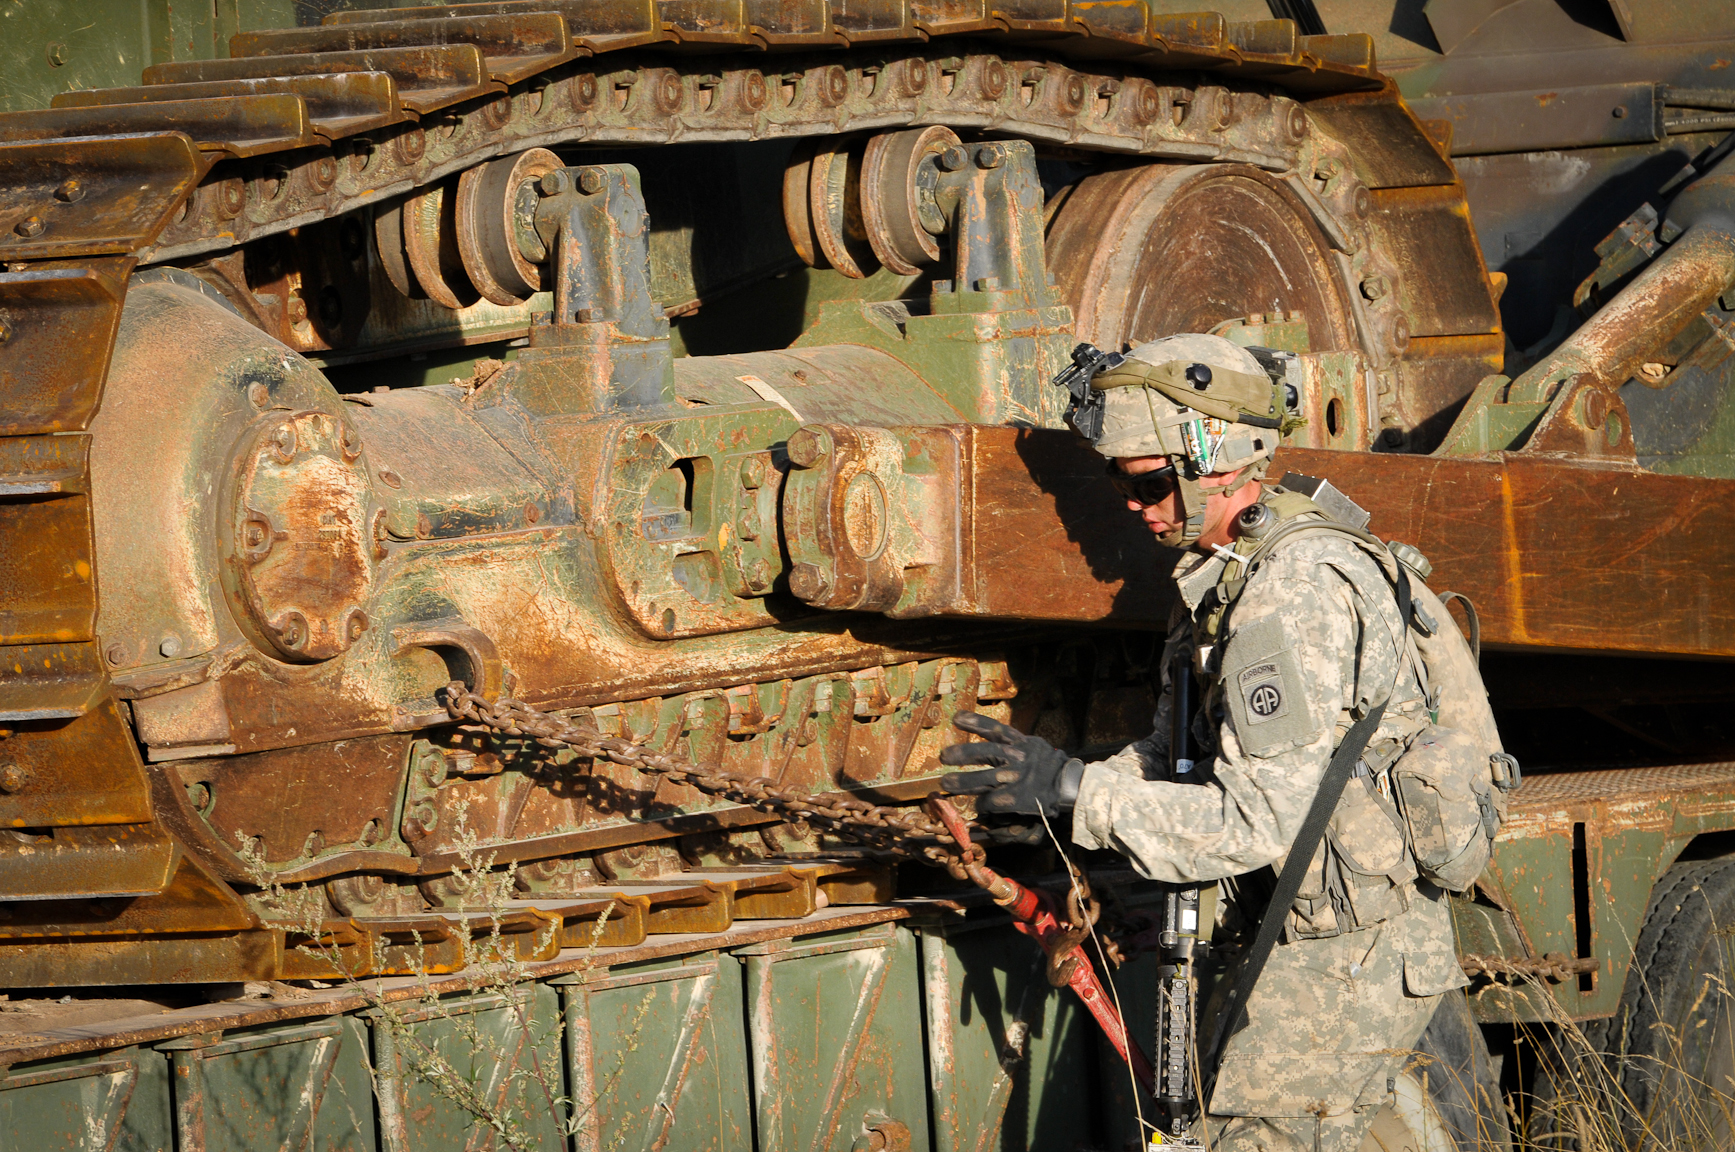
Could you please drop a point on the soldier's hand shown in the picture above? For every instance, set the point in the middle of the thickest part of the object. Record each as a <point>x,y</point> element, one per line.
<point>1027,774</point>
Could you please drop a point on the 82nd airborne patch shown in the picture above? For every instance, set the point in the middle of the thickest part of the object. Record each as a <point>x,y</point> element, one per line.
<point>1265,692</point>
<point>1262,690</point>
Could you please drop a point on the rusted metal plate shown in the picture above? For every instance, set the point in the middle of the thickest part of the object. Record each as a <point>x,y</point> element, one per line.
<point>49,681</point>
<point>996,1029</point>
<point>515,47</point>
<point>1049,539</point>
<point>47,585</point>
<point>60,327</point>
<point>338,103</point>
<point>239,125</point>
<point>89,862</point>
<point>599,27</point>
<point>1427,232</point>
<point>426,78</point>
<point>1557,555</point>
<point>1386,144</point>
<point>79,898</point>
<point>108,786</point>
<point>63,198</point>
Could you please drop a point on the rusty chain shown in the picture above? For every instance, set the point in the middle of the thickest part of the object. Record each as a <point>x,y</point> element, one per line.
<point>1554,967</point>
<point>904,831</point>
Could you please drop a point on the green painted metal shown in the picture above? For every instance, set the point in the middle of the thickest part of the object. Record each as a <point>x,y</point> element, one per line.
<point>276,1087</point>
<point>835,1031</point>
<point>943,1032</point>
<point>998,1034</point>
<point>657,1056</point>
<point>118,1100</point>
<point>446,1068</point>
<point>50,46</point>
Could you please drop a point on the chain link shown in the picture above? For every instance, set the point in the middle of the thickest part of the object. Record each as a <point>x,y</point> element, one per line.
<point>903,831</point>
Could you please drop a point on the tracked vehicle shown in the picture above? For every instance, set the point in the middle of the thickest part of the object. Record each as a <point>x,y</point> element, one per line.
<point>681,371</point>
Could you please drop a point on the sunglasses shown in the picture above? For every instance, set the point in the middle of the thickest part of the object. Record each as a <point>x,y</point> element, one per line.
<point>1147,488</point>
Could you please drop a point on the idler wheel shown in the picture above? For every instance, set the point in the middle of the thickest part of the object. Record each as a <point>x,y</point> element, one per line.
<point>497,223</point>
<point>1148,252</point>
<point>431,240</point>
<point>822,207</point>
<point>899,174</point>
<point>389,242</point>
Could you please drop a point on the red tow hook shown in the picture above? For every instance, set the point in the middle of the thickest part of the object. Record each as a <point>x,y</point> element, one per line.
<point>1033,914</point>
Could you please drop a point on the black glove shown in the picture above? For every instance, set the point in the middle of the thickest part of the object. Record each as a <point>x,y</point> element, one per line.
<point>1029,776</point>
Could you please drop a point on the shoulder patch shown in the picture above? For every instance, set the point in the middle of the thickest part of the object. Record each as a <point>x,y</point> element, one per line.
<point>1263,686</point>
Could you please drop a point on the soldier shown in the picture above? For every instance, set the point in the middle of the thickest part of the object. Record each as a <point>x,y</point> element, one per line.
<point>1290,646</point>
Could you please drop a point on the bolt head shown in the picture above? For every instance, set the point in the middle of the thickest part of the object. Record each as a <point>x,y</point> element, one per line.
<point>170,645</point>
<point>591,180</point>
<point>30,227</point>
<point>808,581</point>
<point>5,328</point>
<point>808,447</point>
<point>989,156</point>
<point>954,158</point>
<point>13,778</point>
<point>555,183</point>
<point>70,192</point>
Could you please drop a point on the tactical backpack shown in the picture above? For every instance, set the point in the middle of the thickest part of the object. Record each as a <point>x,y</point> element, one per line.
<point>1451,780</point>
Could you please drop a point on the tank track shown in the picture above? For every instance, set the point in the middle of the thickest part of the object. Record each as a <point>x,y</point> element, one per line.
<point>308,128</point>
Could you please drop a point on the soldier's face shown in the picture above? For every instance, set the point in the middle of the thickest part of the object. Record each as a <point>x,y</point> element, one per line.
<point>1165,515</point>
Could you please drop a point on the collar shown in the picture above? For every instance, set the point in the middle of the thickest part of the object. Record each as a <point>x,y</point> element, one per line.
<point>1195,574</point>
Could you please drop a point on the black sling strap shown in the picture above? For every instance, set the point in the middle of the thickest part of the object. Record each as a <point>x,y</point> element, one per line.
<point>1319,815</point>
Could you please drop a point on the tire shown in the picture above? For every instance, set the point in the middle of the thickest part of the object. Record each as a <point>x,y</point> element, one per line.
<point>1666,1074</point>
<point>1448,1101</point>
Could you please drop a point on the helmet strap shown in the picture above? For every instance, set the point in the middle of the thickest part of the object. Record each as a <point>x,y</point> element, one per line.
<point>1195,494</point>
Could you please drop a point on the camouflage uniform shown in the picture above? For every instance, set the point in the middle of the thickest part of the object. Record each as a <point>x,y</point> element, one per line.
<point>1313,641</point>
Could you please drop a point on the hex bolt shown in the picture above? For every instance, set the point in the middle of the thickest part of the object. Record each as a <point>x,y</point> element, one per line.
<point>808,581</point>
<point>808,447</point>
<point>116,653</point>
<point>591,180</point>
<point>759,576</point>
<point>953,158</point>
<point>556,182</point>
<point>989,156</point>
<point>5,327</point>
<point>13,778</point>
<point>71,192</point>
<point>295,309</point>
<point>170,645</point>
<point>1374,287</point>
<point>752,472</point>
<point>30,227</point>
<point>258,394</point>
<point>57,54</point>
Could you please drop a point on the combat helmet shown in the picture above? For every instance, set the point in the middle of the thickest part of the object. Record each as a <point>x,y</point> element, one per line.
<point>1207,404</point>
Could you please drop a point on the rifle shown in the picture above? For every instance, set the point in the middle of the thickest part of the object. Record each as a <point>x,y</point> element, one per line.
<point>1177,1048</point>
<point>1085,411</point>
